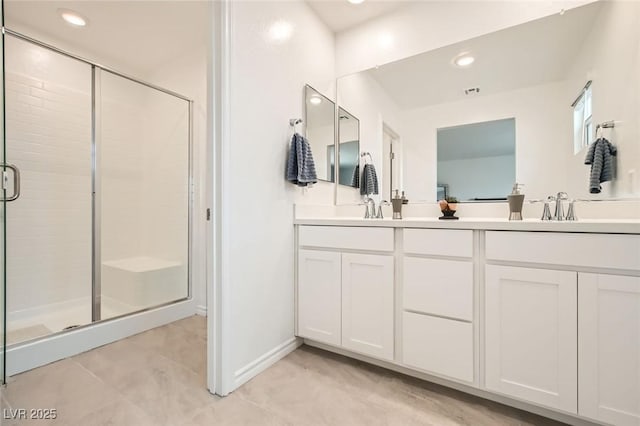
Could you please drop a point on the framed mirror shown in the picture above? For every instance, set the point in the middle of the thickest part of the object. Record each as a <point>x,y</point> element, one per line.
<point>486,151</point>
<point>530,73</point>
<point>349,142</point>
<point>320,126</point>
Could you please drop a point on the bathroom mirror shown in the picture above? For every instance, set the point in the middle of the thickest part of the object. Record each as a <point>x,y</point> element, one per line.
<point>320,127</point>
<point>486,151</point>
<point>530,73</point>
<point>349,139</point>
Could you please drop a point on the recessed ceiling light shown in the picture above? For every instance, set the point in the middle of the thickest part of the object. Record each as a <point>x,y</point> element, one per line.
<point>315,100</point>
<point>463,60</point>
<point>281,31</point>
<point>72,17</point>
<point>355,1</point>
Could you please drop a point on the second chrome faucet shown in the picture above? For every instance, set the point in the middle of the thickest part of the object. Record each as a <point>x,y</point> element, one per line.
<point>370,208</point>
<point>559,210</point>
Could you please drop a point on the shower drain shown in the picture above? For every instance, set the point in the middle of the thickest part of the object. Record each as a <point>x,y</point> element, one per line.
<point>70,327</point>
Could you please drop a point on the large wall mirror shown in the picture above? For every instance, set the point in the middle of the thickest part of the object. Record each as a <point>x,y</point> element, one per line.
<point>527,77</point>
<point>320,126</point>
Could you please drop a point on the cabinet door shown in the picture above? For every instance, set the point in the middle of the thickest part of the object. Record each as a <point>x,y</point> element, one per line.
<point>530,335</point>
<point>609,348</point>
<point>319,296</point>
<point>367,304</point>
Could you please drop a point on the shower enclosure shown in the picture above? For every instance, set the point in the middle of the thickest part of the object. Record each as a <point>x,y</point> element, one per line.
<point>97,192</point>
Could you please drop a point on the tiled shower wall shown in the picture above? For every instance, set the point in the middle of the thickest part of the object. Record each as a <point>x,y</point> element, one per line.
<point>144,168</point>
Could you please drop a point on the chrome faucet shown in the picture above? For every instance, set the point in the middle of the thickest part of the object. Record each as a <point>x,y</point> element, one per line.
<point>559,214</point>
<point>382,203</point>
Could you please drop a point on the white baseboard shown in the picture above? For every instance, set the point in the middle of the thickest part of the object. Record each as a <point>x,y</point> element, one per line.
<point>260,364</point>
<point>201,310</point>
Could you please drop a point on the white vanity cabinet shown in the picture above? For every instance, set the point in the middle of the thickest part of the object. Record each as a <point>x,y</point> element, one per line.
<point>346,298</point>
<point>609,348</point>
<point>530,335</point>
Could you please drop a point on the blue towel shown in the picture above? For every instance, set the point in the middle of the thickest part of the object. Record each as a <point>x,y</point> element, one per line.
<point>601,157</point>
<point>301,169</point>
<point>369,181</point>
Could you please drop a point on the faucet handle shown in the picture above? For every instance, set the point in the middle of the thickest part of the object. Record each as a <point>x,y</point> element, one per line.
<point>366,209</point>
<point>382,203</point>
<point>562,196</point>
<point>571,212</point>
<point>546,211</point>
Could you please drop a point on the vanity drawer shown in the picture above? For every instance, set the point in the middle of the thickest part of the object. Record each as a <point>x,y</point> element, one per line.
<point>438,287</point>
<point>346,237</point>
<point>438,242</point>
<point>556,248</point>
<point>438,345</point>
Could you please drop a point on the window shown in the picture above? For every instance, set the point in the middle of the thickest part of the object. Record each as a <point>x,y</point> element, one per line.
<point>582,120</point>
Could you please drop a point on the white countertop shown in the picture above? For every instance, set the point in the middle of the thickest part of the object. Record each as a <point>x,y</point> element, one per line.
<point>614,226</point>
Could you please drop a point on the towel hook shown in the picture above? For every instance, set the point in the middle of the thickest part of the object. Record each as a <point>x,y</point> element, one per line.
<point>293,122</point>
<point>364,155</point>
<point>604,125</point>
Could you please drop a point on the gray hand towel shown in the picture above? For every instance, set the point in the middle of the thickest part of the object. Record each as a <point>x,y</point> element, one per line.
<point>355,177</point>
<point>369,181</point>
<point>601,157</point>
<point>301,169</point>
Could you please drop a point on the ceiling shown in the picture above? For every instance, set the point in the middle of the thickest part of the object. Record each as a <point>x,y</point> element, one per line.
<point>526,55</point>
<point>132,36</point>
<point>340,15</point>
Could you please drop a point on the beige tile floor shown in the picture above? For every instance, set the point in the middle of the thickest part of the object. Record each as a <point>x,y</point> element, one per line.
<point>158,378</point>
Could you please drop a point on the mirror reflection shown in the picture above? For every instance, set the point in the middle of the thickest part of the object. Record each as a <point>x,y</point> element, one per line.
<point>485,150</point>
<point>320,126</point>
<point>349,139</point>
<point>531,73</point>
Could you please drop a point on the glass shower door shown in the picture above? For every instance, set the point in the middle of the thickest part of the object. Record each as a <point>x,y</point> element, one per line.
<point>48,137</point>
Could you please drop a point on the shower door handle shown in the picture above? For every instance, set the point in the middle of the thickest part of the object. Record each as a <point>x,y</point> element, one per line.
<point>16,181</point>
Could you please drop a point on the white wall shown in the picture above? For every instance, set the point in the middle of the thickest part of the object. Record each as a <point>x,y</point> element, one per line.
<point>267,79</point>
<point>363,97</point>
<point>610,56</point>
<point>542,123</point>
<point>423,26</point>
